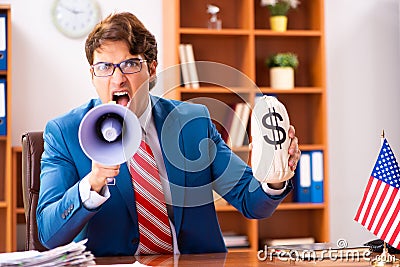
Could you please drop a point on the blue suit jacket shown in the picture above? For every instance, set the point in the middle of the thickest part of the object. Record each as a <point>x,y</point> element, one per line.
<point>196,159</point>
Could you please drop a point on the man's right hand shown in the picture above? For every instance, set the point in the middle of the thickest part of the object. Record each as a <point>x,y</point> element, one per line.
<point>99,174</point>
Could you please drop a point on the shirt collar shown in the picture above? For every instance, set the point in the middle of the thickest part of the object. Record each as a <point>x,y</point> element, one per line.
<point>146,117</point>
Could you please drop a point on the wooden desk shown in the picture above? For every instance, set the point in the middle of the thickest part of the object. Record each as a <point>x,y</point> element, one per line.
<point>221,259</point>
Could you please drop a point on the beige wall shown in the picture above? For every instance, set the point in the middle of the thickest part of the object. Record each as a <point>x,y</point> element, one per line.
<point>363,98</point>
<point>50,71</point>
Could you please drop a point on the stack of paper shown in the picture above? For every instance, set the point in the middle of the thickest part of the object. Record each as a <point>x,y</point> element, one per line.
<point>73,254</point>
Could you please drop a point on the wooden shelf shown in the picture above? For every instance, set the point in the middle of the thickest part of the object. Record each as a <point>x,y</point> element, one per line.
<point>282,206</point>
<point>20,210</point>
<point>264,90</point>
<point>6,196</point>
<point>203,31</point>
<point>243,43</point>
<point>296,90</point>
<point>289,33</point>
<point>214,89</point>
<point>301,206</point>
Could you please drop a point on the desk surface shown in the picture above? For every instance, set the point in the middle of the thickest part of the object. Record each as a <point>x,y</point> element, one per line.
<point>223,259</point>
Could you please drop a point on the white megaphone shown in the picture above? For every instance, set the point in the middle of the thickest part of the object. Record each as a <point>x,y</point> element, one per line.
<point>110,134</point>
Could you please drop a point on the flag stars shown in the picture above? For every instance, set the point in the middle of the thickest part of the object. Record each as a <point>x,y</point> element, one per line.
<point>386,168</point>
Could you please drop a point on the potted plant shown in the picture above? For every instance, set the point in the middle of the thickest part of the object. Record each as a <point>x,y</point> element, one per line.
<point>278,10</point>
<point>282,66</point>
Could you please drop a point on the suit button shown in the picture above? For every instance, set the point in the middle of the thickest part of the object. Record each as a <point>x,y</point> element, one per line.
<point>63,216</point>
<point>135,241</point>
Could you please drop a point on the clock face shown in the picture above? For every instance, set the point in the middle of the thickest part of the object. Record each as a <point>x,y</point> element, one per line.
<point>75,18</point>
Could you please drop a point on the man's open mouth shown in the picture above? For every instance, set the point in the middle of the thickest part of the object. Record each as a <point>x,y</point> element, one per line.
<point>121,98</point>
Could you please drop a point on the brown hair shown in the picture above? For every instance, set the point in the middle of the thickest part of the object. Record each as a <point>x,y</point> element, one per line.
<point>124,27</point>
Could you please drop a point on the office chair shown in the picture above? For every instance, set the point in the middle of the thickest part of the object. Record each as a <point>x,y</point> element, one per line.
<point>32,149</point>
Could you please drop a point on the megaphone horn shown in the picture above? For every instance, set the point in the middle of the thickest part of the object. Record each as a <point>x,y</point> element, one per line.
<point>110,134</point>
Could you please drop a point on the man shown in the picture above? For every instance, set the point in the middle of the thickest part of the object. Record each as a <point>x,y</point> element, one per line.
<point>75,203</point>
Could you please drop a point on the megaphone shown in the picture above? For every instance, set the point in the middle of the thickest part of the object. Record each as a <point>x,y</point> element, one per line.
<point>110,134</point>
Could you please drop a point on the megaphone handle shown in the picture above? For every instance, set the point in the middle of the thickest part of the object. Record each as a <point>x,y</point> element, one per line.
<point>110,181</point>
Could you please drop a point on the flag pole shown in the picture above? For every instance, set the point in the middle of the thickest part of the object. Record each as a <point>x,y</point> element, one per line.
<point>385,257</point>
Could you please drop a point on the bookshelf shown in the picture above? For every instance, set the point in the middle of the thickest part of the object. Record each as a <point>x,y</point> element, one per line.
<point>243,43</point>
<point>6,222</point>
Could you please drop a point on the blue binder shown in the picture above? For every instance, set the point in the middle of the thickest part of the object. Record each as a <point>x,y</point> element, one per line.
<point>3,107</point>
<point>302,192</point>
<point>317,174</point>
<point>3,41</point>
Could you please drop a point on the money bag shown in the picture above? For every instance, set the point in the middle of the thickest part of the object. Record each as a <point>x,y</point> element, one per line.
<point>270,141</point>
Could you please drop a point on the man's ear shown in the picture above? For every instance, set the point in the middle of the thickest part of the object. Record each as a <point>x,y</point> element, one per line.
<point>153,68</point>
<point>153,74</point>
<point>92,73</point>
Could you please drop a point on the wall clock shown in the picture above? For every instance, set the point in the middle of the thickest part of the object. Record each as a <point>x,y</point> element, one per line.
<point>75,18</point>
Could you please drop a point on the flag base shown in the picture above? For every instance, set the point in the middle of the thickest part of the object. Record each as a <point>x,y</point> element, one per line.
<point>385,259</point>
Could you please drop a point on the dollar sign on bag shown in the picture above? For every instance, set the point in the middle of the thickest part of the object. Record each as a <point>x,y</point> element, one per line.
<point>278,138</point>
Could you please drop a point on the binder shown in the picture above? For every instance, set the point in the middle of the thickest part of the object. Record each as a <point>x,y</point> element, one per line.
<point>3,107</point>
<point>3,42</point>
<point>244,119</point>
<point>317,174</point>
<point>235,125</point>
<point>302,191</point>
<point>194,79</point>
<point>184,66</point>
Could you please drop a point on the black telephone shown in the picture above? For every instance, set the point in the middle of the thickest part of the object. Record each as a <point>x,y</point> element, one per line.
<point>377,246</point>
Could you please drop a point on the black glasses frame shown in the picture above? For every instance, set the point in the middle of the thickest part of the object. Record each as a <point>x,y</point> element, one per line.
<point>118,65</point>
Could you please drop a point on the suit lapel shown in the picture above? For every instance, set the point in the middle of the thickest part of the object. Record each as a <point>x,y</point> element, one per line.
<point>167,125</point>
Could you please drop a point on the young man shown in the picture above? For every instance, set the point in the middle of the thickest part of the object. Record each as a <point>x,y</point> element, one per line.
<point>75,203</point>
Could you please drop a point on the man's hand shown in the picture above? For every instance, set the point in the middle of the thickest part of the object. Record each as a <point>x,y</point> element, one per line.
<point>99,174</point>
<point>294,150</point>
<point>294,157</point>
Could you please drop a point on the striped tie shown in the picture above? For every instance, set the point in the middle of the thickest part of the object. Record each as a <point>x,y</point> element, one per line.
<point>154,228</point>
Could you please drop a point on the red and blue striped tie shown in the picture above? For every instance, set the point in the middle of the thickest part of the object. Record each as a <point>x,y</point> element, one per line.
<point>154,227</point>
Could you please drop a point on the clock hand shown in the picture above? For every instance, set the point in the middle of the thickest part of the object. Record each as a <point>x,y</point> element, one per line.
<point>73,11</point>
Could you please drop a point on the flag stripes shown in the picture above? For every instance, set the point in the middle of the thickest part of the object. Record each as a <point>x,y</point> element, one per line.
<point>388,199</point>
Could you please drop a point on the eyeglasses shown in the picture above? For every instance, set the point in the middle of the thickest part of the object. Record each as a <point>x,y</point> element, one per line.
<point>129,66</point>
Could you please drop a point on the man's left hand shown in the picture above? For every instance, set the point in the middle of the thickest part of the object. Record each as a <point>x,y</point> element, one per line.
<point>294,150</point>
<point>294,157</point>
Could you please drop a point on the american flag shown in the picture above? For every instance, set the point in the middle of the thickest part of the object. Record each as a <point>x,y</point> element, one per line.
<point>380,206</point>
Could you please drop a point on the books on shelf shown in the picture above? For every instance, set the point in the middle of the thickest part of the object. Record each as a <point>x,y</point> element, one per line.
<point>236,122</point>
<point>244,118</point>
<point>3,42</point>
<point>309,178</point>
<point>184,67</point>
<point>3,107</point>
<point>190,77</point>
<point>234,240</point>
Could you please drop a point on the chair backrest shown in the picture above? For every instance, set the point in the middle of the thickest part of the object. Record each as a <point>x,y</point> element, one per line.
<point>32,149</point>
